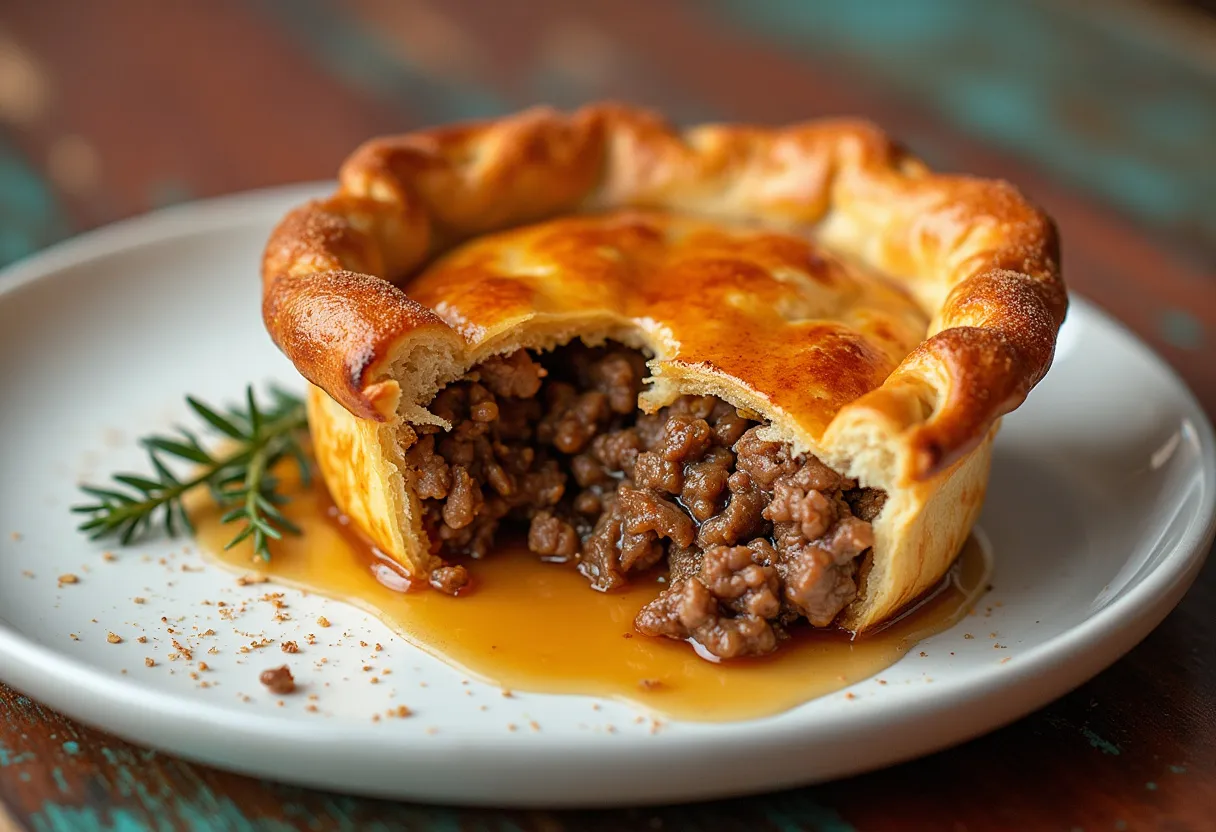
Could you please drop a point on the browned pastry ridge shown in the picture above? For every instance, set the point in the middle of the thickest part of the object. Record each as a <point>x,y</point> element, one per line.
<point>874,314</point>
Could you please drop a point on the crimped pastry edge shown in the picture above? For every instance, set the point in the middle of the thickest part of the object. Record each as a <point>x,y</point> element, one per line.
<point>981,260</point>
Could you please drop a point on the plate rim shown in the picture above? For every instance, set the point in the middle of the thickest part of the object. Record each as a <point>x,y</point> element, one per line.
<point>1067,659</point>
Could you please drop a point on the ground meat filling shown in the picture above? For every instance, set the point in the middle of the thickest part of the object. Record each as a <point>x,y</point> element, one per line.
<point>754,537</point>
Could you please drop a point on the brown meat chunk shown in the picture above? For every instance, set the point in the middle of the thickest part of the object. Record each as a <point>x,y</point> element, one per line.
<point>618,450</point>
<point>820,577</point>
<point>728,425</point>
<point>432,477</point>
<point>543,486</point>
<point>689,610</point>
<point>463,500</point>
<point>515,375</point>
<point>573,419</point>
<point>588,470</point>
<point>629,534</point>
<point>451,403</point>
<point>738,580</point>
<point>552,537</point>
<point>500,479</point>
<point>645,512</point>
<point>589,503</point>
<point>849,538</point>
<point>449,579</point>
<point>866,503</point>
<point>683,562</point>
<point>684,438</point>
<point>477,538</point>
<point>650,428</point>
<point>815,585</point>
<point>726,607</point>
<point>485,411</point>
<point>278,680</point>
<point>741,519</point>
<point>761,460</point>
<point>654,472</point>
<point>516,420</point>
<point>600,561</point>
<point>812,474</point>
<point>619,375</point>
<point>704,483</point>
<point>810,510</point>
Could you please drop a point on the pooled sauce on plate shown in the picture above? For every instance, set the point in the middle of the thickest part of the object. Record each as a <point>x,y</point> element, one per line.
<point>533,626</point>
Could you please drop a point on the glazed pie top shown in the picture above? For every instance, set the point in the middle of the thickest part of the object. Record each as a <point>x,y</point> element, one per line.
<point>878,316</point>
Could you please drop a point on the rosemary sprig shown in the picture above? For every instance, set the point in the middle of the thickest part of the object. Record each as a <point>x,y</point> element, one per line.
<point>239,478</point>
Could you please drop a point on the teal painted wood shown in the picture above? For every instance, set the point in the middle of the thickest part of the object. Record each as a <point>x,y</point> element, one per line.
<point>363,59</point>
<point>369,60</point>
<point>1120,114</point>
<point>101,783</point>
<point>30,215</point>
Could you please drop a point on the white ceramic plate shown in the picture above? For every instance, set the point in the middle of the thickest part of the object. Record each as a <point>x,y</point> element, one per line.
<point>1100,511</point>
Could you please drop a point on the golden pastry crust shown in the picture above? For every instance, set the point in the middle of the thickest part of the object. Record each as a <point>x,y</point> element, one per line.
<point>977,256</point>
<point>899,387</point>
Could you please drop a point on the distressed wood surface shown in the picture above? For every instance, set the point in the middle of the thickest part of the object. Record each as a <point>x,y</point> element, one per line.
<point>111,109</point>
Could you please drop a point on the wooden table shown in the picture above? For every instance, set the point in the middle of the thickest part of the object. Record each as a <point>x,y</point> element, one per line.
<point>110,109</point>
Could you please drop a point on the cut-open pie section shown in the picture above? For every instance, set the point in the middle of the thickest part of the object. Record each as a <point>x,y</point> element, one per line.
<point>770,361</point>
<point>754,536</point>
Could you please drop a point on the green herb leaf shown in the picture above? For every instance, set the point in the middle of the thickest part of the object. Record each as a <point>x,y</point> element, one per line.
<point>238,478</point>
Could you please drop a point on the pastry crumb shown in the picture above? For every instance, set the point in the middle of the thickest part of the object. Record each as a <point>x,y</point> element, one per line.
<point>68,578</point>
<point>289,647</point>
<point>323,622</point>
<point>149,662</point>
<point>114,638</point>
